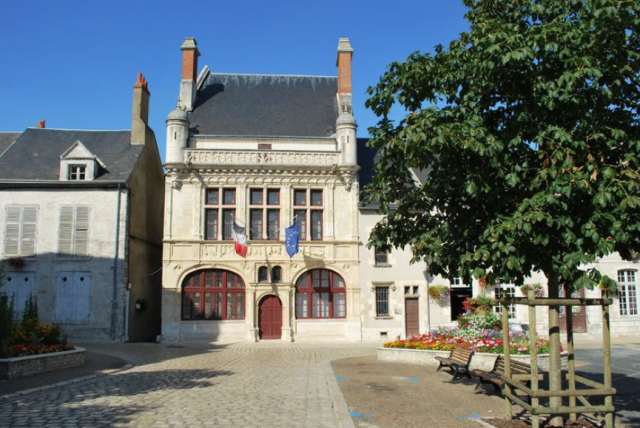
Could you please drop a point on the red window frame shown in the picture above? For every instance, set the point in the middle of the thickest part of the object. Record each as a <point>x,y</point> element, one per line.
<point>213,294</point>
<point>322,283</point>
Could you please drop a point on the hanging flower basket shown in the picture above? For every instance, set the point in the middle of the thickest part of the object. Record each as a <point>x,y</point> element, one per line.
<point>16,262</point>
<point>439,293</point>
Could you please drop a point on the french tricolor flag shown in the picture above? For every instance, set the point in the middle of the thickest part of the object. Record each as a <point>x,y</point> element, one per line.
<point>240,239</point>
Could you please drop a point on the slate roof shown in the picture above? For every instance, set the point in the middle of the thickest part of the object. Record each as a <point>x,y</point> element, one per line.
<point>6,138</point>
<point>265,106</point>
<point>367,157</point>
<point>36,154</point>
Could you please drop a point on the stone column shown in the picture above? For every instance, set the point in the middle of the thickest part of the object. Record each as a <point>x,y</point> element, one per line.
<point>196,186</point>
<point>253,332</point>
<point>288,308</point>
<point>331,218</point>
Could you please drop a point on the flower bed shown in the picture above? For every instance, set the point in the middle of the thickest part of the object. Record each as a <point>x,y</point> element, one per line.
<point>489,341</point>
<point>11,368</point>
<point>482,361</point>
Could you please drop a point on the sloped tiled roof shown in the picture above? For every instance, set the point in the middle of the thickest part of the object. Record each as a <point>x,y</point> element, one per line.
<point>265,105</point>
<point>6,139</point>
<point>36,153</point>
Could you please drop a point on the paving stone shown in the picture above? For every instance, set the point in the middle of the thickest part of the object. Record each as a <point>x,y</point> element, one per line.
<point>196,385</point>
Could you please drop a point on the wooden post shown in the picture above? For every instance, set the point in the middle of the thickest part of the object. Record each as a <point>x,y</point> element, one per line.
<point>606,339</point>
<point>507,356</point>
<point>568,310</point>
<point>555,373</point>
<point>533,350</point>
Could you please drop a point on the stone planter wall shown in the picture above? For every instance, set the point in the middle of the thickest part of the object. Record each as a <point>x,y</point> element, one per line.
<point>479,360</point>
<point>11,368</point>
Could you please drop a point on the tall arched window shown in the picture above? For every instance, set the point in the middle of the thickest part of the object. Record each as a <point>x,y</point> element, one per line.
<point>320,293</point>
<point>213,294</point>
<point>263,274</point>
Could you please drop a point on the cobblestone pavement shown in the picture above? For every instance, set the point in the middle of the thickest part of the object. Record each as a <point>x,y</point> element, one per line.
<point>243,385</point>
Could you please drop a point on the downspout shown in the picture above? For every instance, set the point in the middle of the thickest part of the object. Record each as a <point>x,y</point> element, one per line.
<point>114,304</point>
<point>426,276</point>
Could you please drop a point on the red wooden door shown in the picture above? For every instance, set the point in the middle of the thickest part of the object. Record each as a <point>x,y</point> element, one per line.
<point>270,318</point>
<point>412,317</point>
<point>578,317</point>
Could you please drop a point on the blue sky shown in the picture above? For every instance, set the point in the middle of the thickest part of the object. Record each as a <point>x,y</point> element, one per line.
<point>74,63</point>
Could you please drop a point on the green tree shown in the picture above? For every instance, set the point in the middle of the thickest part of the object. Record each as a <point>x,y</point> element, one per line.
<point>528,127</point>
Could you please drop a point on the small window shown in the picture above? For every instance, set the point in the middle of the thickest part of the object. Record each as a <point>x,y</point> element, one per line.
<point>276,274</point>
<point>77,172</point>
<point>262,274</point>
<point>300,197</point>
<point>505,290</point>
<point>382,258</point>
<point>212,197</point>
<point>229,196</point>
<point>256,197</point>
<point>316,198</point>
<point>382,301</point>
<point>273,196</point>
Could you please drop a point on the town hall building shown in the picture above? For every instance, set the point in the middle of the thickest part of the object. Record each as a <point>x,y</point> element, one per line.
<point>260,152</point>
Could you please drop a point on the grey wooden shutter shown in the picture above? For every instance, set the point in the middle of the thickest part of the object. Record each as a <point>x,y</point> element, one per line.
<point>65,231</point>
<point>81,238</point>
<point>29,222</point>
<point>12,231</point>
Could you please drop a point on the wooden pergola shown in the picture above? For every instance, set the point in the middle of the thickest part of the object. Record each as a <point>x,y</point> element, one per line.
<point>514,385</point>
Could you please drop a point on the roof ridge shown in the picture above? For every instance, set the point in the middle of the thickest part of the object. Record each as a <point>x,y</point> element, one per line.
<point>83,130</point>
<point>272,75</point>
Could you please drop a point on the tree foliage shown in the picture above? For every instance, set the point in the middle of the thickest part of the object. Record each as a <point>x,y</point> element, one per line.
<point>528,127</point>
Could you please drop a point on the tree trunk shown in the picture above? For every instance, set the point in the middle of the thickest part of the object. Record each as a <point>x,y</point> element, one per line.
<point>555,368</point>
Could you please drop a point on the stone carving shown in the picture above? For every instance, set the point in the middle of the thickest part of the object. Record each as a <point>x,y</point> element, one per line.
<point>313,251</point>
<point>255,251</point>
<point>177,268</point>
<point>210,251</point>
<point>275,250</point>
<point>225,250</point>
<point>201,157</point>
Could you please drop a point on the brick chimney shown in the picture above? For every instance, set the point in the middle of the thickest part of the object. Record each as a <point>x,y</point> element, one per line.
<point>190,56</point>
<point>140,131</point>
<point>41,124</point>
<point>343,62</point>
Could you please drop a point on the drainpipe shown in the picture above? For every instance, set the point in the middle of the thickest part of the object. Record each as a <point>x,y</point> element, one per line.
<point>426,276</point>
<point>125,335</point>
<point>116,254</point>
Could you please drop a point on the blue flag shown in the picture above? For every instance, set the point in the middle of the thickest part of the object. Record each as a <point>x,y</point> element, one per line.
<point>291,239</point>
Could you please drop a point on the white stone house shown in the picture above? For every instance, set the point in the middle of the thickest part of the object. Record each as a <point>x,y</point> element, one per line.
<point>81,226</point>
<point>394,292</point>
<point>261,150</point>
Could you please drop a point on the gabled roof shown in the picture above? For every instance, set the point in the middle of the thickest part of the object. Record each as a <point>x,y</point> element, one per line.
<point>367,158</point>
<point>36,154</point>
<point>265,105</point>
<point>6,139</point>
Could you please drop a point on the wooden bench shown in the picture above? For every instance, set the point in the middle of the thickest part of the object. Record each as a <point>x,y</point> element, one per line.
<point>494,377</point>
<point>458,362</point>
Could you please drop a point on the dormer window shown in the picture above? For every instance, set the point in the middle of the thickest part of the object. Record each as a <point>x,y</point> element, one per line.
<point>77,163</point>
<point>77,172</point>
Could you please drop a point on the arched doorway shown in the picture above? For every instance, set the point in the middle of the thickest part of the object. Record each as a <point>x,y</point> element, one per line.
<point>270,318</point>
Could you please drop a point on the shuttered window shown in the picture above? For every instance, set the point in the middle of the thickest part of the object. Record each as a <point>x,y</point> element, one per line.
<point>73,235</point>
<point>20,230</point>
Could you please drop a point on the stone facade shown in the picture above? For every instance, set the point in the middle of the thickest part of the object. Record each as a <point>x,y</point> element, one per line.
<point>243,165</point>
<point>89,242</point>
